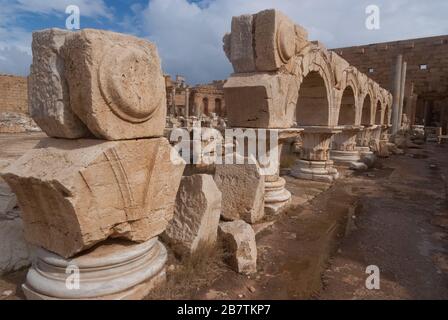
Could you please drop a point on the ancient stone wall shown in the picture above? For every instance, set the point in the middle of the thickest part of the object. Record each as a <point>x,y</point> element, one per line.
<point>13,94</point>
<point>427,71</point>
<point>203,99</point>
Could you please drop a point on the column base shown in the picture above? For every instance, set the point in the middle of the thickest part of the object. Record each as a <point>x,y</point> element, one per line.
<point>114,271</point>
<point>276,197</point>
<point>345,157</point>
<point>315,170</point>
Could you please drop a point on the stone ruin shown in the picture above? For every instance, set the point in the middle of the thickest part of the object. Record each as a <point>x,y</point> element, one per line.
<point>282,80</point>
<point>96,195</point>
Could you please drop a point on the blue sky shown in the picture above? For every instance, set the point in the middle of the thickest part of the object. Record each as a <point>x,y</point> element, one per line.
<point>188,33</point>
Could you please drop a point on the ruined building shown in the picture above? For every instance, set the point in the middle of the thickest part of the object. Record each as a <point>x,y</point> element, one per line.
<point>425,101</point>
<point>202,99</point>
<point>14,115</point>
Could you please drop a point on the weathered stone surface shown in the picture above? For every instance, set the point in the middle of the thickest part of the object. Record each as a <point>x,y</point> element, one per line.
<point>239,239</point>
<point>242,54</point>
<point>15,253</point>
<point>49,102</point>
<point>261,100</point>
<point>76,193</point>
<point>265,41</point>
<point>13,122</point>
<point>242,189</point>
<point>196,215</point>
<point>116,84</point>
<point>275,39</point>
<point>8,200</point>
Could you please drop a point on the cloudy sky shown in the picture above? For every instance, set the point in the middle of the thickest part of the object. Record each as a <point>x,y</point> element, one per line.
<point>188,33</point>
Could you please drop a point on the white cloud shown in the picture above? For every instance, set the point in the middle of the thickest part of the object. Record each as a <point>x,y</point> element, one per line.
<point>189,36</point>
<point>14,61</point>
<point>15,40</point>
<point>88,8</point>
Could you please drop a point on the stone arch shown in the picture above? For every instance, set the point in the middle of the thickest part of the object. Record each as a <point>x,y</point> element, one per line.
<point>378,112</point>
<point>347,107</point>
<point>366,110</point>
<point>386,117</point>
<point>205,106</point>
<point>218,106</point>
<point>315,67</point>
<point>313,103</point>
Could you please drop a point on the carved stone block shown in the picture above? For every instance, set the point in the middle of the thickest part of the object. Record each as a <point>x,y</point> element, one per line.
<point>76,193</point>
<point>116,84</point>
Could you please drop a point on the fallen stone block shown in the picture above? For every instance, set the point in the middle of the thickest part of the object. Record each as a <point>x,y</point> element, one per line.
<point>239,240</point>
<point>358,166</point>
<point>196,215</point>
<point>369,159</point>
<point>392,147</point>
<point>77,193</point>
<point>243,190</point>
<point>116,84</point>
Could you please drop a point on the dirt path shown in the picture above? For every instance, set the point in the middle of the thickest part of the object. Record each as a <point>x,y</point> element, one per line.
<point>394,217</point>
<point>402,229</point>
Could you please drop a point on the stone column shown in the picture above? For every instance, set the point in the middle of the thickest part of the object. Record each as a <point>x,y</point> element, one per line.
<point>397,91</point>
<point>187,103</point>
<point>276,196</point>
<point>314,162</point>
<point>344,149</point>
<point>402,93</point>
<point>173,101</point>
<point>99,191</point>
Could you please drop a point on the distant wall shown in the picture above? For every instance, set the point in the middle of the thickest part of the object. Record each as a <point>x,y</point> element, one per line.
<point>13,94</point>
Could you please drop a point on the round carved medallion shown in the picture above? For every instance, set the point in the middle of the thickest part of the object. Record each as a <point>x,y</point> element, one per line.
<point>286,40</point>
<point>125,79</point>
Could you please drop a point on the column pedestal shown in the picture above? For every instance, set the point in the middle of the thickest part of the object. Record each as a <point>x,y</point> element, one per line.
<point>384,140</point>
<point>375,138</point>
<point>363,139</point>
<point>322,171</point>
<point>344,150</point>
<point>276,196</point>
<point>315,163</point>
<point>115,270</point>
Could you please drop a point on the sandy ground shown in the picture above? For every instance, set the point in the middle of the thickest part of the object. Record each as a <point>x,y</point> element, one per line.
<point>394,216</point>
<point>402,230</point>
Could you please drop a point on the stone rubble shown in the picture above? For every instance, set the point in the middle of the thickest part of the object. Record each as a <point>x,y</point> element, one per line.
<point>238,238</point>
<point>196,215</point>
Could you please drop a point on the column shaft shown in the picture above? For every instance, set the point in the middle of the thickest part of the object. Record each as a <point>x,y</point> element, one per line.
<point>397,90</point>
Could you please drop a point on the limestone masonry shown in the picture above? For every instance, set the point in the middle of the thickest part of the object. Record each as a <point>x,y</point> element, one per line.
<point>97,194</point>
